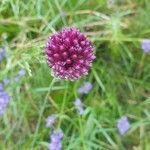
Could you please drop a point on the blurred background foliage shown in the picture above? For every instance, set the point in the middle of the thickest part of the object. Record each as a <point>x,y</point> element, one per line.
<point>120,74</point>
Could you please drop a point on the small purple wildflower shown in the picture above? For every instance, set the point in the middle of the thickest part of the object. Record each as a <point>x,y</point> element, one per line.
<point>4,100</point>
<point>79,106</point>
<point>6,81</point>
<point>62,14</point>
<point>85,88</point>
<point>69,53</point>
<point>50,121</point>
<point>16,78</point>
<point>2,54</point>
<point>123,125</point>
<point>1,87</point>
<point>56,138</point>
<point>145,45</point>
<point>20,74</point>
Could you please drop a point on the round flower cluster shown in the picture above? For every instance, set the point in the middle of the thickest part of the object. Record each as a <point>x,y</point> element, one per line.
<point>69,53</point>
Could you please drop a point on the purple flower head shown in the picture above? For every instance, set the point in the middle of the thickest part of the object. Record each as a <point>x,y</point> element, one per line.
<point>79,106</point>
<point>85,88</point>
<point>123,125</point>
<point>146,45</point>
<point>4,100</point>
<point>69,53</point>
<point>50,121</point>
<point>56,138</point>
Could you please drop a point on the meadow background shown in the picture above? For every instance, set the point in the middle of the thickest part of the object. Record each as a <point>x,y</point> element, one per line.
<point>120,75</point>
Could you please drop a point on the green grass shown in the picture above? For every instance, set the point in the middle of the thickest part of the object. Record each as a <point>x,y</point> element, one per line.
<point>120,75</point>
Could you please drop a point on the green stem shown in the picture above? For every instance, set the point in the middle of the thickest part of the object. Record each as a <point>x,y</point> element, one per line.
<point>140,67</point>
<point>41,114</point>
<point>63,105</point>
<point>82,134</point>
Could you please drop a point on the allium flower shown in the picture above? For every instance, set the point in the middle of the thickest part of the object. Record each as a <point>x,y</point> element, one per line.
<point>50,121</point>
<point>56,138</point>
<point>4,100</point>
<point>79,106</point>
<point>123,125</point>
<point>146,45</point>
<point>69,53</point>
<point>85,88</point>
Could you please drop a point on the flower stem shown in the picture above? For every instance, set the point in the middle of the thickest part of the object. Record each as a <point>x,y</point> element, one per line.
<point>63,105</point>
<point>41,113</point>
<point>82,133</point>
